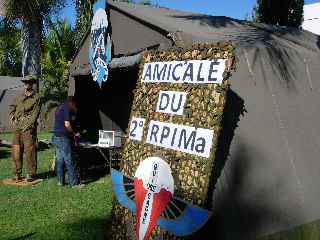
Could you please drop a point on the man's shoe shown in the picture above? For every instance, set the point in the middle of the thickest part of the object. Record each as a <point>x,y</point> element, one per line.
<point>30,178</point>
<point>17,178</point>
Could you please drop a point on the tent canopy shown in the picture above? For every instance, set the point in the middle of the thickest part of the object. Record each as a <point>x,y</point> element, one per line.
<point>137,27</point>
<point>9,88</point>
<point>2,8</point>
<point>267,169</point>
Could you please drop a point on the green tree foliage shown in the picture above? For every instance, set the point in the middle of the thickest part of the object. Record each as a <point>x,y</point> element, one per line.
<point>145,2</point>
<point>32,9</point>
<point>127,1</point>
<point>10,49</point>
<point>284,13</point>
<point>84,9</point>
<point>58,51</point>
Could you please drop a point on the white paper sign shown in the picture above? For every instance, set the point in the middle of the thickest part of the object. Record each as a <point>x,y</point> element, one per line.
<point>181,138</point>
<point>136,128</point>
<point>194,71</point>
<point>171,102</point>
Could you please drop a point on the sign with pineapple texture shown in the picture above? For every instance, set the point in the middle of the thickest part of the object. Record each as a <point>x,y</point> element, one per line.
<point>177,112</point>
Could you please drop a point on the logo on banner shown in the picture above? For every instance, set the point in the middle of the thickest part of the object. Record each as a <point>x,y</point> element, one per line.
<point>150,196</point>
<point>154,186</point>
<point>100,44</point>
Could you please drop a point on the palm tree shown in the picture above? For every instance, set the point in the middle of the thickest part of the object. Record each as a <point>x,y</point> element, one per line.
<point>283,13</point>
<point>32,14</point>
<point>58,50</point>
<point>58,44</point>
<point>84,10</point>
<point>10,49</point>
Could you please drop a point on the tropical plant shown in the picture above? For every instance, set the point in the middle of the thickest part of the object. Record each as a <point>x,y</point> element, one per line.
<point>84,9</point>
<point>32,14</point>
<point>283,13</point>
<point>145,2</point>
<point>58,50</point>
<point>127,1</point>
<point>10,49</point>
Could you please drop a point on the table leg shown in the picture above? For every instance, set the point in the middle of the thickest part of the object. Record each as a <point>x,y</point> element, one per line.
<point>108,160</point>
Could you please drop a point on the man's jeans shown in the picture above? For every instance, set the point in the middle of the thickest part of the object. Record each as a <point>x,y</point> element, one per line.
<point>64,157</point>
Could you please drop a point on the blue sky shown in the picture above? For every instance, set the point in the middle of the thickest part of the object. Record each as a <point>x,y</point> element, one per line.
<point>232,8</point>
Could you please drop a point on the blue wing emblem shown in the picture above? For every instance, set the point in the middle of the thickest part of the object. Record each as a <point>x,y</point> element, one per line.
<point>124,190</point>
<point>179,218</point>
<point>183,219</point>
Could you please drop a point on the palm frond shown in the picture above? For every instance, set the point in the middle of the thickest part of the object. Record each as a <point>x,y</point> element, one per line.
<point>57,53</point>
<point>32,9</point>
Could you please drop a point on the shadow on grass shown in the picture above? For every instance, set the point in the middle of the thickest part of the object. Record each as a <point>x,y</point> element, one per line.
<point>46,175</point>
<point>88,229</point>
<point>95,229</point>
<point>93,174</point>
<point>24,237</point>
<point>4,153</point>
<point>90,164</point>
<point>42,147</point>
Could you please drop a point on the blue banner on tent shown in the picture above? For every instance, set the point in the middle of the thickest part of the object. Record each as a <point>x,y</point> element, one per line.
<point>100,43</point>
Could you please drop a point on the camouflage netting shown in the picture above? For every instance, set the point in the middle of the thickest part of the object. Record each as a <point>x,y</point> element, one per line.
<point>203,109</point>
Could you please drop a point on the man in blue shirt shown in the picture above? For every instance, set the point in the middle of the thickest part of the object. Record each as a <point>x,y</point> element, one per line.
<point>63,134</point>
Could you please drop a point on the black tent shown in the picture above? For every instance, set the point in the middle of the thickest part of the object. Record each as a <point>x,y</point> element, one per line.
<point>265,176</point>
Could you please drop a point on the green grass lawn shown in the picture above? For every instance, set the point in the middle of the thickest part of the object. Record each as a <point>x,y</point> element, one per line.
<point>309,231</point>
<point>47,211</point>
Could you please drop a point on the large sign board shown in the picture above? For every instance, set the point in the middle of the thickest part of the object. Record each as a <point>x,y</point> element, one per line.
<point>177,112</point>
<point>100,43</point>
